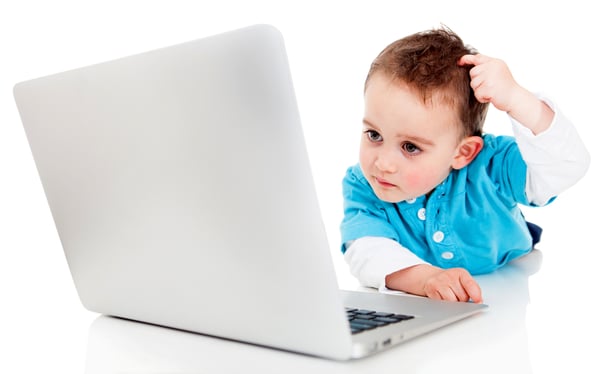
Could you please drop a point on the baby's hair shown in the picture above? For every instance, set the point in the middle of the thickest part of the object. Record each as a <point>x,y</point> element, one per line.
<point>428,62</point>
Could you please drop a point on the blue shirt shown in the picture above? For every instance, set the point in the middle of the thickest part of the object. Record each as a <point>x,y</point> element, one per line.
<point>471,220</point>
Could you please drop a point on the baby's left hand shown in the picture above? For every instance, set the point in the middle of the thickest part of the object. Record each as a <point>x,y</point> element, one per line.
<point>492,81</point>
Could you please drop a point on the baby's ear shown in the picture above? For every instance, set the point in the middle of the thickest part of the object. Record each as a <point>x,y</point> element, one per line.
<point>466,151</point>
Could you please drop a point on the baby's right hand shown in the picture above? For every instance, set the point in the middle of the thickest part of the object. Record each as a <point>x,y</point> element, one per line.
<point>492,81</point>
<point>442,284</point>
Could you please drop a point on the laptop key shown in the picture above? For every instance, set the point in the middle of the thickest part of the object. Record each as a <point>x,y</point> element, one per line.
<point>402,317</point>
<point>382,314</point>
<point>364,311</point>
<point>370,322</point>
<point>361,326</point>
<point>363,319</point>
<point>364,316</point>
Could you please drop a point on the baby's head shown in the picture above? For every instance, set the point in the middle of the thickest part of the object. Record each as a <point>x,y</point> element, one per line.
<point>428,63</point>
<point>421,119</point>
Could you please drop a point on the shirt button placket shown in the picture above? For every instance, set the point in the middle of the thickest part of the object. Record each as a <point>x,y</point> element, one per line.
<point>438,237</point>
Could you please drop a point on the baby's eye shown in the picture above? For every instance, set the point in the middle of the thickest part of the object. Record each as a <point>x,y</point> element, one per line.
<point>373,135</point>
<point>410,148</point>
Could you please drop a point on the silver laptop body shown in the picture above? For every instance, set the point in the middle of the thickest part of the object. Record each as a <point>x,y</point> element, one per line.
<point>180,187</point>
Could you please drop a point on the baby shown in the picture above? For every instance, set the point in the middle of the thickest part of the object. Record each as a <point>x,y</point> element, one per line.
<point>434,199</point>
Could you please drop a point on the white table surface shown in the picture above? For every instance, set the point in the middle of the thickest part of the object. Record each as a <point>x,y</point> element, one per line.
<point>535,324</point>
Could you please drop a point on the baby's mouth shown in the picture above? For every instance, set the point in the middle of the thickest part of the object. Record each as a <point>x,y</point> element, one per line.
<point>384,183</point>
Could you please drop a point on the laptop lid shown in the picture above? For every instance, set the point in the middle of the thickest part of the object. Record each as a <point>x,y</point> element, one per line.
<point>181,190</point>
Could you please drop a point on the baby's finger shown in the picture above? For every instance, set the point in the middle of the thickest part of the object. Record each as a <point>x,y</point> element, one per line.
<point>477,59</point>
<point>467,60</point>
<point>471,288</point>
<point>476,82</point>
<point>445,293</point>
<point>476,71</point>
<point>459,292</point>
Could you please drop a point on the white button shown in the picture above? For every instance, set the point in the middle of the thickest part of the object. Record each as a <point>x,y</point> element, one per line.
<point>421,214</point>
<point>411,201</point>
<point>438,236</point>
<point>447,255</point>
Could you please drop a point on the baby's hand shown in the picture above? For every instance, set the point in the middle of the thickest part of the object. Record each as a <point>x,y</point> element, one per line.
<point>431,281</point>
<point>492,81</point>
<point>452,284</point>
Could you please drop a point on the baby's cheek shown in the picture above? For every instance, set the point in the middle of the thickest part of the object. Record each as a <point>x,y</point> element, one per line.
<point>414,180</point>
<point>420,182</point>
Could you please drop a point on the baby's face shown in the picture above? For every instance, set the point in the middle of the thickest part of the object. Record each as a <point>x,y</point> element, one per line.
<point>407,147</point>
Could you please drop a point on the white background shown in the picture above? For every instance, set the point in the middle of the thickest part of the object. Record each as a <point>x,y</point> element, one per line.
<point>549,45</point>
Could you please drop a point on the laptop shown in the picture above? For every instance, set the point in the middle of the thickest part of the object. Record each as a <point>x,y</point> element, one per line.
<point>181,190</point>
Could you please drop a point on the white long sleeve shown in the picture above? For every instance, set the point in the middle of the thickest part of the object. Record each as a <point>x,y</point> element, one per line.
<point>371,259</point>
<point>556,158</point>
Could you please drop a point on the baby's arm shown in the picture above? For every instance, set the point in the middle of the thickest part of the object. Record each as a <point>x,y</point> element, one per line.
<point>372,258</point>
<point>555,155</point>
<point>454,284</point>
<point>492,82</point>
<point>381,262</point>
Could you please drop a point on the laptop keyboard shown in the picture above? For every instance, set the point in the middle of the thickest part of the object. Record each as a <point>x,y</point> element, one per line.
<point>363,319</point>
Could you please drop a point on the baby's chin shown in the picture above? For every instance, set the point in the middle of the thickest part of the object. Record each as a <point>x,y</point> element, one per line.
<point>394,197</point>
<point>390,197</point>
